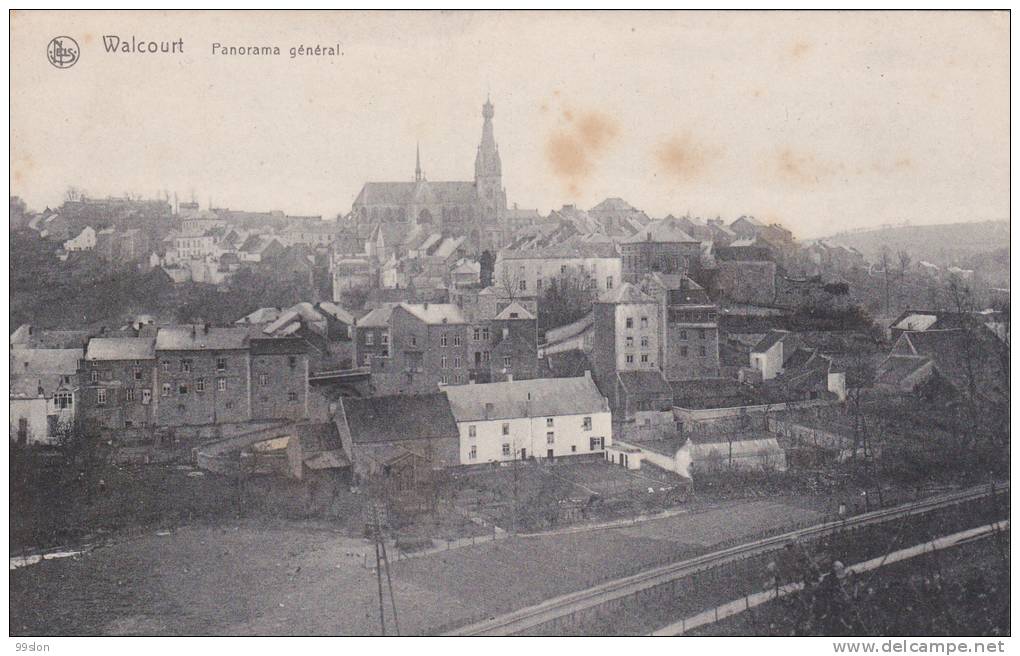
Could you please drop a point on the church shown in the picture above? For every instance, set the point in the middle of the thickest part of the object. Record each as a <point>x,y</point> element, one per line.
<point>473,209</point>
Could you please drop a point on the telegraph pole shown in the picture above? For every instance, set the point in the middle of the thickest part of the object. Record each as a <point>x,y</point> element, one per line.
<point>378,569</point>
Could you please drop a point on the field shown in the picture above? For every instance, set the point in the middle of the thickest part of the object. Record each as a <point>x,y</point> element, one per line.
<point>296,578</point>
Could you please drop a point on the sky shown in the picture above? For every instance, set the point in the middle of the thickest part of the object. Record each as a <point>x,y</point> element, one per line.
<point>823,121</point>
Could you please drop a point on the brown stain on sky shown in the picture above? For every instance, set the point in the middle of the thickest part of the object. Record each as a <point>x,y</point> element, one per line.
<point>803,169</point>
<point>683,159</point>
<point>799,49</point>
<point>573,150</point>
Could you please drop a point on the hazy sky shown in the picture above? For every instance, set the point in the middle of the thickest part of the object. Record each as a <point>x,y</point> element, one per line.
<point>823,121</point>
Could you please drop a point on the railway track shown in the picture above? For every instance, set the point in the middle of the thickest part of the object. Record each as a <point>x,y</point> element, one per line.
<point>558,607</point>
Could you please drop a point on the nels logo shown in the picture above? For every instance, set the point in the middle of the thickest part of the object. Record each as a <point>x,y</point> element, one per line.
<point>63,52</point>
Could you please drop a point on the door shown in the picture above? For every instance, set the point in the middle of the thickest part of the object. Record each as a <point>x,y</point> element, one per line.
<point>22,430</point>
<point>524,454</point>
<point>549,454</point>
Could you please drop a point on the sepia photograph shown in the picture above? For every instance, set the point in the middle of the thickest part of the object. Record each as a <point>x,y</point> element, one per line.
<point>510,323</point>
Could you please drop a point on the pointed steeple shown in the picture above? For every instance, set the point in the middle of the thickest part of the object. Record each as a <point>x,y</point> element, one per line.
<point>417,162</point>
<point>487,163</point>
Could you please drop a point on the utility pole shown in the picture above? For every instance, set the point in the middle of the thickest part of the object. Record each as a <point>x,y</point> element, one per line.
<point>378,569</point>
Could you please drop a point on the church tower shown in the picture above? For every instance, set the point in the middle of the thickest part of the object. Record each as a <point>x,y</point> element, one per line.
<point>489,169</point>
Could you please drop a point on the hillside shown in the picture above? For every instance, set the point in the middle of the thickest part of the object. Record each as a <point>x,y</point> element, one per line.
<point>949,244</point>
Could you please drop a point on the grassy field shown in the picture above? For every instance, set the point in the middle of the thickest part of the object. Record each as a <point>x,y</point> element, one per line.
<point>294,578</point>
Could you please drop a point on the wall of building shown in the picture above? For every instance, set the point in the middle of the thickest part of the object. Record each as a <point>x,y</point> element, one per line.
<point>530,434</point>
<point>125,384</point>
<point>33,412</point>
<point>279,386</point>
<point>747,282</point>
<point>213,395</point>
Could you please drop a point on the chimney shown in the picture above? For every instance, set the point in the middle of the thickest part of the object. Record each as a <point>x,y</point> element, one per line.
<point>426,305</point>
<point>489,409</point>
<point>648,236</point>
<point>587,374</point>
<point>510,379</point>
<point>192,331</point>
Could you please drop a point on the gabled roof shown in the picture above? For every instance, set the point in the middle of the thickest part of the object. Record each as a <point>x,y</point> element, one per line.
<point>44,361</point>
<point>278,346</point>
<point>377,318</point>
<point>514,311</point>
<point>567,249</point>
<point>895,368</point>
<point>916,322</point>
<point>645,383</point>
<point>261,315</point>
<point>625,293</point>
<point>398,418</point>
<point>770,339</point>
<point>537,397</point>
<point>665,230</point>
<point>121,348</point>
<point>435,313</point>
<point>337,312</point>
<point>198,338</point>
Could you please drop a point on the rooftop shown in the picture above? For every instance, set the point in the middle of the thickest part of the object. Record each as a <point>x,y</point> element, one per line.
<point>536,397</point>
<point>435,313</point>
<point>197,338</point>
<point>398,418</point>
<point>121,348</point>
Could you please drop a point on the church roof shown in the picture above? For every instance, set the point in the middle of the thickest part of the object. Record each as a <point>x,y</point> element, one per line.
<point>423,192</point>
<point>666,230</point>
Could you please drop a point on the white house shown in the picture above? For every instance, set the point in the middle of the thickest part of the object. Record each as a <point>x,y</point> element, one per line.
<point>43,393</point>
<point>85,241</point>
<point>530,271</point>
<point>542,418</point>
<point>767,355</point>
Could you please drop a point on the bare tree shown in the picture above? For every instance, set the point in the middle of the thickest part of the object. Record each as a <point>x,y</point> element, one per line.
<point>884,259</point>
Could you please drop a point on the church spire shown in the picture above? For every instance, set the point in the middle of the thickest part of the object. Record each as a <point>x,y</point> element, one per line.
<point>487,163</point>
<point>417,162</point>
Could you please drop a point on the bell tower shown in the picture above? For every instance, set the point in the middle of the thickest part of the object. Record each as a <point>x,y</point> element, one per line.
<point>488,168</point>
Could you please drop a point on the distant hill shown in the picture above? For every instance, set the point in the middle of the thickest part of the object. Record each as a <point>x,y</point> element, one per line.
<point>951,244</point>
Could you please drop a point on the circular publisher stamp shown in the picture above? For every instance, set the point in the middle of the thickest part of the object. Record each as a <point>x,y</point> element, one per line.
<point>62,52</point>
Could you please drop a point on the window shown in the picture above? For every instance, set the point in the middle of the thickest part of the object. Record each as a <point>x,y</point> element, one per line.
<point>230,405</point>
<point>586,424</point>
<point>595,444</point>
<point>644,322</point>
<point>291,361</point>
<point>94,376</point>
<point>573,448</point>
<point>550,438</point>
<point>485,356</point>
<point>472,431</point>
<point>609,282</point>
<point>548,422</point>
<point>485,334</point>
<point>563,268</point>
<point>701,333</point>
<point>630,322</point>
<point>182,388</point>
<point>630,342</point>
<point>456,340</point>
<point>644,358</point>
<point>138,373</point>
<point>384,338</point>
<point>644,342</point>
<point>185,366</point>
<point>166,366</point>
<point>702,351</point>
<point>442,362</point>
<point>129,394</point>
<point>166,389</point>
<point>146,396</point>
<point>442,340</point>
<point>369,338</point>
<point>506,428</point>
<point>474,452</point>
<point>414,341</point>
<point>478,334</point>
<point>63,400</point>
<point>263,379</point>
<point>292,397</point>
<point>456,362</point>
<point>538,283</point>
<point>683,351</point>
<point>683,334</point>
<point>444,379</point>
<point>221,384</point>
<point>523,286</point>
<point>100,396</point>
<point>630,359</point>
<point>506,361</point>
<point>506,449</point>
